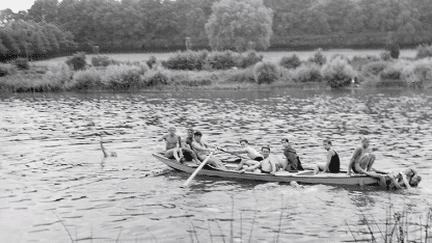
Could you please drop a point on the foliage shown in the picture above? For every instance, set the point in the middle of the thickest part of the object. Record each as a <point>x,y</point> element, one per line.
<point>187,78</point>
<point>6,69</point>
<point>151,61</point>
<point>250,58</point>
<point>374,68</point>
<point>188,60</point>
<point>21,64</point>
<point>392,46</point>
<point>156,78</point>
<point>122,77</point>
<point>318,57</point>
<point>85,79</point>
<point>239,25</point>
<point>391,73</point>
<point>385,56</point>
<point>357,62</point>
<point>291,62</point>
<point>241,75</point>
<point>103,61</point>
<point>424,51</point>
<point>418,73</point>
<point>60,74</point>
<point>265,72</point>
<point>223,60</point>
<point>310,72</point>
<point>338,73</point>
<point>77,61</point>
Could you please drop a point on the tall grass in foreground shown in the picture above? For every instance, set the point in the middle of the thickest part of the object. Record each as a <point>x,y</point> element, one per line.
<point>398,227</point>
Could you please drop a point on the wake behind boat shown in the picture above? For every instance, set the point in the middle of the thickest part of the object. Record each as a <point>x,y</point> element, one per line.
<point>304,177</point>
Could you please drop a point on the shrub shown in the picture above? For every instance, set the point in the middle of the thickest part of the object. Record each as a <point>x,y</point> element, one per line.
<point>122,77</point>
<point>85,79</point>
<point>374,68</point>
<point>144,68</point>
<point>385,56</point>
<point>391,73</point>
<point>6,69</point>
<point>318,57</point>
<point>223,60</point>
<point>307,73</point>
<point>418,73</point>
<point>58,75</point>
<point>338,73</point>
<point>151,61</point>
<point>394,50</point>
<point>157,78</point>
<point>291,62</point>
<point>103,61</point>
<point>188,60</point>
<point>241,75</point>
<point>251,58</point>
<point>265,72</point>
<point>77,61</point>
<point>424,51</point>
<point>21,63</point>
<point>357,62</point>
<point>190,78</point>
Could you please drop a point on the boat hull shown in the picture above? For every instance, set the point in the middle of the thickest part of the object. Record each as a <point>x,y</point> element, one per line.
<point>304,177</point>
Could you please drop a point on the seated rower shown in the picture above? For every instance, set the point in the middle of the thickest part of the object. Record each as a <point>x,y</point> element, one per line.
<point>172,145</point>
<point>188,153</point>
<point>362,159</point>
<point>268,165</point>
<point>333,161</point>
<point>202,151</point>
<point>253,155</point>
<point>292,160</point>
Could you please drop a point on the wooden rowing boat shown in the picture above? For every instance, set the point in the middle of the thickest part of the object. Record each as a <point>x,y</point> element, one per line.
<point>304,177</point>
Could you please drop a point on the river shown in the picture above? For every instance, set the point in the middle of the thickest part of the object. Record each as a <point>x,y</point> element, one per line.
<point>56,186</point>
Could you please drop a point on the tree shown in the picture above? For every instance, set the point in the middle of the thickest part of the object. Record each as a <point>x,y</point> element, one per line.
<point>44,10</point>
<point>237,24</point>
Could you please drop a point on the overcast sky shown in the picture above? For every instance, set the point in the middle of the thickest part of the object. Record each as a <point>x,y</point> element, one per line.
<point>16,5</point>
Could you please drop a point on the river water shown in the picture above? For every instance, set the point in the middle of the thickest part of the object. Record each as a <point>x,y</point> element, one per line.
<point>55,185</point>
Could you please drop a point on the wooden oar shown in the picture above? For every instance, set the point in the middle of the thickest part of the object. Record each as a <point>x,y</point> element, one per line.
<point>241,157</point>
<point>197,170</point>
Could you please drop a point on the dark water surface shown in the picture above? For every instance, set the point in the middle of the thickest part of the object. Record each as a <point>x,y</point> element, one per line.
<point>55,185</point>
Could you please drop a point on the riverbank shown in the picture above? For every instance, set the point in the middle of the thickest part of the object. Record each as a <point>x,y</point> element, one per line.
<point>218,70</point>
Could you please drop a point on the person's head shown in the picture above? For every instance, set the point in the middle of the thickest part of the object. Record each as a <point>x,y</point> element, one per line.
<point>285,142</point>
<point>410,172</point>
<point>415,180</point>
<point>197,135</point>
<point>265,151</point>
<point>365,142</point>
<point>243,143</point>
<point>172,130</point>
<point>190,132</point>
<point>327,144</point>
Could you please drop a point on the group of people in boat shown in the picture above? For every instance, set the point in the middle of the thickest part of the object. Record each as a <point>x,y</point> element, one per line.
<point>193,148</point>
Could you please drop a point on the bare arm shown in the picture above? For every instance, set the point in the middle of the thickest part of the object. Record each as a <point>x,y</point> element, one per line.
<point>405,180</point>
<point>330,154</point>
<point>199,148</point>
<point>356,154</point>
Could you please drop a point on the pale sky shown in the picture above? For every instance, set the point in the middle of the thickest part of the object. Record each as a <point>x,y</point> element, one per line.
<point>16,5</point>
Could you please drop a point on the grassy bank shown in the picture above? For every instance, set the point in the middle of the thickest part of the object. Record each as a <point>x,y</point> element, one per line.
<point>219,70</point>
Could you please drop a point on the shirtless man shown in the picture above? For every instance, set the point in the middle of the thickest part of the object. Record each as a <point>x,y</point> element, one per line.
<point>268,165</point>
<point>362,160</point>
<point>202,151</point>
<point>333,161</point>
<point>187,147</point>
<point>253,155</point>
<point>172,144</point>
<point>404,179</point>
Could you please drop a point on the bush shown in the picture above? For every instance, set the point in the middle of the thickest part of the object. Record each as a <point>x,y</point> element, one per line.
<point>357,62</point>
<point>385,56</point>
<point>374,68</point>
<point>6,69</point>
<point>318,57</point>
<point>151,61</point>
<point>265,72</point>
<point>77,61</point>
<point>188,60</point>
<point>310,72</point>
<point>59,74</point>
<point>103,61</point>
<point>291,62</point>
<point>251,58</point>
<point>85,79</point>
<point>223,60</point>
<point>21,63</point>
<point>424,51</point>
<point>241,75</point>
<point>391,73</point>
<point>338,73</point>
<point>122,77</point>
<point>157,78</point>
<point>418,73</point>
<point>190,78</point>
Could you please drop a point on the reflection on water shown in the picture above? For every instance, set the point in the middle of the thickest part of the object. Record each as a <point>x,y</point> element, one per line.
<point>54,181</point>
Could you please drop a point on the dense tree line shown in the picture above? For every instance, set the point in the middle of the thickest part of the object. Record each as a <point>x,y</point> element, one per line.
<point>142,25</point>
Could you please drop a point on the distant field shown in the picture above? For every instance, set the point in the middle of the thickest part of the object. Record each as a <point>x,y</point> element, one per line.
<point>271,55</point>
